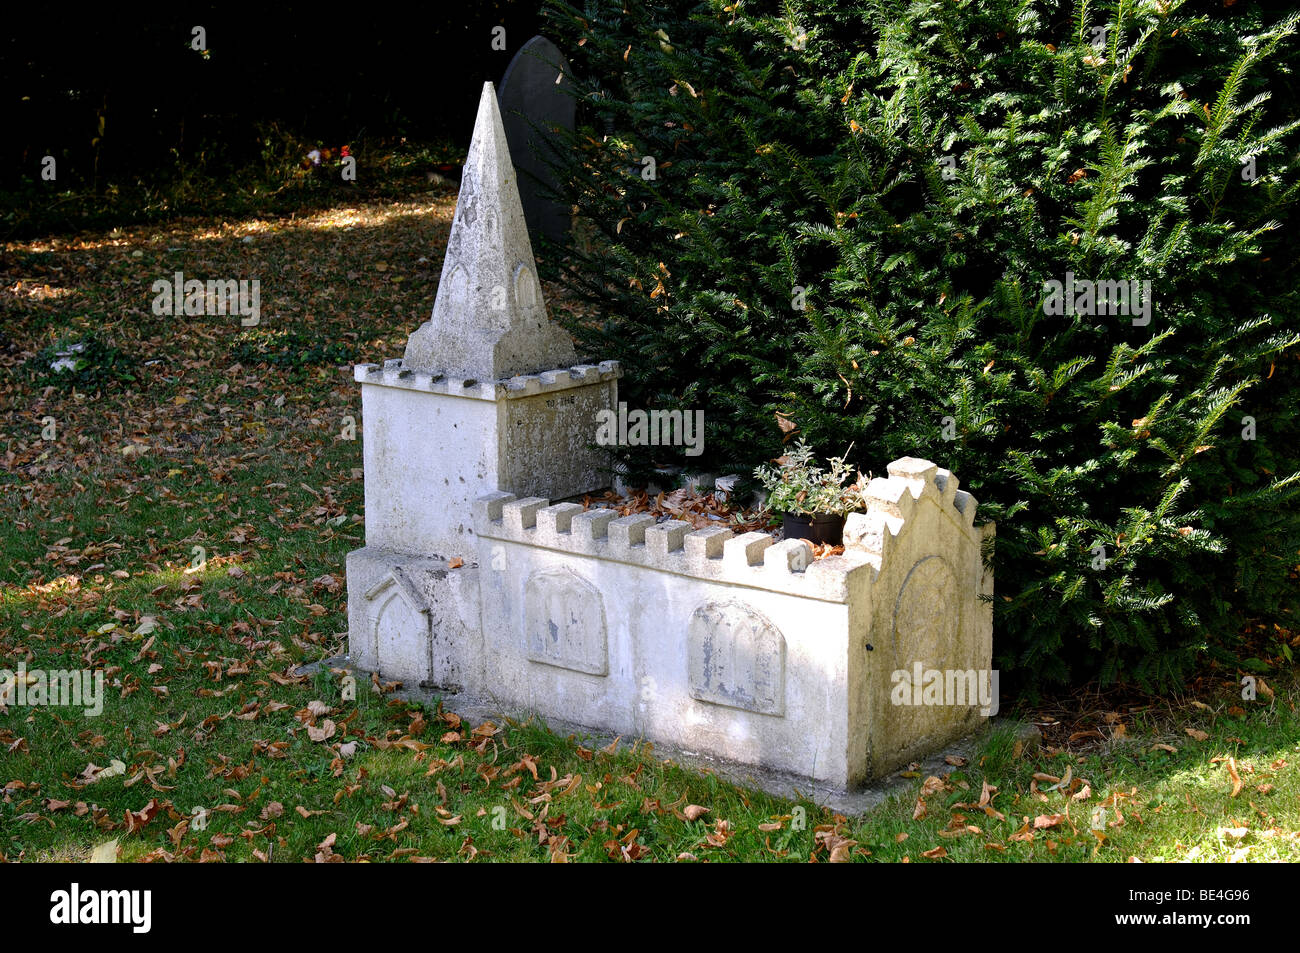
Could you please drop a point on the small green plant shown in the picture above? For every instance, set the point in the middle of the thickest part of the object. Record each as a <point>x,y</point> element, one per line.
<point>801,487</point>
<point>289,349</point>
<point>84,361</point>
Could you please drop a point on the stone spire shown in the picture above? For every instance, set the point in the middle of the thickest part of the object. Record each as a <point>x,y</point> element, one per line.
<point>489,320</point>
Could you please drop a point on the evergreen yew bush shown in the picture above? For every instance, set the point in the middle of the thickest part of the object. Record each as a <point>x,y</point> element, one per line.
<point>853,218</point>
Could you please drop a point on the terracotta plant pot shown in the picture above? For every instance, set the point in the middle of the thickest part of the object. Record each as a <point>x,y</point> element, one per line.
<point>817,528</point>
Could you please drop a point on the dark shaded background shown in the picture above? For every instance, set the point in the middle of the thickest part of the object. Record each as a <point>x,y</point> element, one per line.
<point>325,73</point>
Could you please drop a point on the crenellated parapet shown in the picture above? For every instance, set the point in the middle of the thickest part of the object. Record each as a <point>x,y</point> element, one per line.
<point>753,559</point>
<point>715,553</point>
<point>894,500</point>
<point>395,373</point>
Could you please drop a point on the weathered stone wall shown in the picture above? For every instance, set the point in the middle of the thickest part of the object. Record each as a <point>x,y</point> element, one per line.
<point>929,602</point>
<point>741,646</point>
<point>415,619</point>
<point>433,445</point>
<point>706,640</point>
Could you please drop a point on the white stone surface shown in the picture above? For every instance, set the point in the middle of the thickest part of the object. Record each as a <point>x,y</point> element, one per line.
<point>749,650</point>
<point>712,554</point>
<point>416,620</point>
<point>489,320</point>
<point>749,674</point>
<point>432,447</point>
<point>426,457</point>
<point>929,603</point>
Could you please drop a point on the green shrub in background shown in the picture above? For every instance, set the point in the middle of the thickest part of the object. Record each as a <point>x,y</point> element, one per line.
<point>853,218</point>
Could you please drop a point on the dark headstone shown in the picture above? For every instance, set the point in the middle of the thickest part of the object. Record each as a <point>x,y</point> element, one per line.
<point>536,98</point>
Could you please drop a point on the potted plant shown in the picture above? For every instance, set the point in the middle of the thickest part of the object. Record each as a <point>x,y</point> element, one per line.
<point>813,501</point>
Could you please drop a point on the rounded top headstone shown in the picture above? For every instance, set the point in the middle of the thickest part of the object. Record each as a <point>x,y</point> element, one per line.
<point>536,99</point>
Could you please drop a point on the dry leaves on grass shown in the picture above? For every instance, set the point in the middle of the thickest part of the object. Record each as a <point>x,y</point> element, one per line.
<point>1235,776</point>
<point>832,839</point>
<point>322,732</point>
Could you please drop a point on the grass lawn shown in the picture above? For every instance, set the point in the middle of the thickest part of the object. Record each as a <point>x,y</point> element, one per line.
<point>185,529</point>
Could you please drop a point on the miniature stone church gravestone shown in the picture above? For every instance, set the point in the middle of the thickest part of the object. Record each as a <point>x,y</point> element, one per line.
<point>474,584</point>
<point>536,100</point>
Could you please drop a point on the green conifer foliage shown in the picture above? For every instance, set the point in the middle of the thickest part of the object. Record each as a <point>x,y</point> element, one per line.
<point>1042,244</point>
